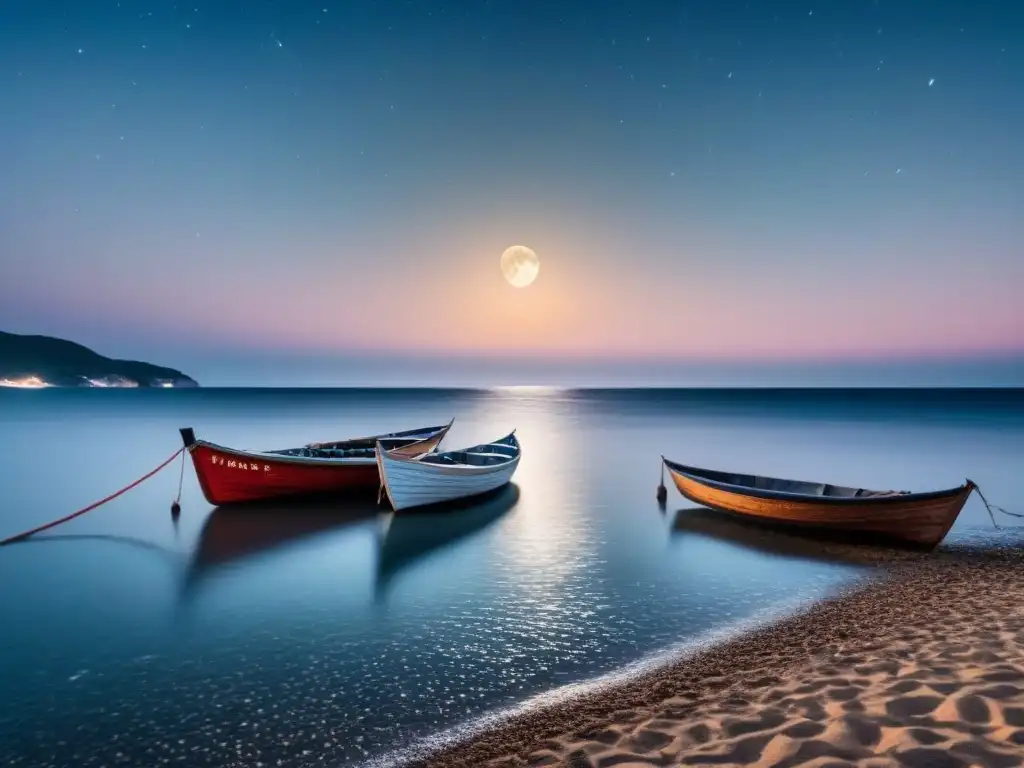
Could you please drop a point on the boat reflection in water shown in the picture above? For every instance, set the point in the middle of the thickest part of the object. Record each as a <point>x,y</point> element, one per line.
<point>241,532</point>
<point>235,533</point>
<point>791,543</point>
<point>407,537</point>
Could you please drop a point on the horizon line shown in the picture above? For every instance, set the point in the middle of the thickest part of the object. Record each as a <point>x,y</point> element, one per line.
<point>552,388</point>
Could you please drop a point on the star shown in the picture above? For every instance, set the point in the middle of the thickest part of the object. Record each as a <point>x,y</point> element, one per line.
<point>79,50</point>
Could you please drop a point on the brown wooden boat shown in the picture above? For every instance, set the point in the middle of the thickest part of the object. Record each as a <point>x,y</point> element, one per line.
<point>916,519</point>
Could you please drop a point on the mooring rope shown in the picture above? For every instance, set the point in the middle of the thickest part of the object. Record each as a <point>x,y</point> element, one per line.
<point>101,502</point>
<point>990,507</point>
<point>176,504</point>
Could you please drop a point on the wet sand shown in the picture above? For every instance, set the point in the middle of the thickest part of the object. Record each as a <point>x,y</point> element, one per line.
<point>923,666</point>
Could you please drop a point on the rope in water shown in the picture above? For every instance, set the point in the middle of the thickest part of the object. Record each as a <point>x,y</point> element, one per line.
<point>101,502</point>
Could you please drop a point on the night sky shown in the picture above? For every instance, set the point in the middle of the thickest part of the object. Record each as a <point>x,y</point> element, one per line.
<point>297,192</point>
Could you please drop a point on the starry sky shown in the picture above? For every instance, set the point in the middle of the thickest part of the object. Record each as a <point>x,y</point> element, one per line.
<point>295,192</point>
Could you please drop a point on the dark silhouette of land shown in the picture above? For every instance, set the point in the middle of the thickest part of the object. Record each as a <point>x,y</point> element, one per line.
<point>66,364</point>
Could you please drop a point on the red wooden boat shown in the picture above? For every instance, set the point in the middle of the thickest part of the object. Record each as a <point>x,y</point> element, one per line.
<point>229,475</point>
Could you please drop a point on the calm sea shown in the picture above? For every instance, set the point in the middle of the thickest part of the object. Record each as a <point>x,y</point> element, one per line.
<point>327,635</point>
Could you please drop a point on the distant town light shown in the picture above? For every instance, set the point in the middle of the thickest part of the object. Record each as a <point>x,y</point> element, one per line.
<point>104,382</point>
<point>28,382</point>
<point>111,381</point>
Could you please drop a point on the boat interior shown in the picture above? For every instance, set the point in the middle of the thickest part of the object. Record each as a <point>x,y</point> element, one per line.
<point>354,449</point>
<point>489,454</point>
<point>328,453</point>
<point>779,485</point>
<point>395,439</point>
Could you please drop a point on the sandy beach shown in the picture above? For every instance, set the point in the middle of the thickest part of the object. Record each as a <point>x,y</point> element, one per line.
<point>923,666</point>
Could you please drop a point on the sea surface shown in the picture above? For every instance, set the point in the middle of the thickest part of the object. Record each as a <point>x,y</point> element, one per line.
<point>329,634</point>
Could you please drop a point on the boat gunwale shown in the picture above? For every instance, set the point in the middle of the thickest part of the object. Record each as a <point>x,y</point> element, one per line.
<point>693,473</point>
<point>280,458</point>
<point>449,469</point>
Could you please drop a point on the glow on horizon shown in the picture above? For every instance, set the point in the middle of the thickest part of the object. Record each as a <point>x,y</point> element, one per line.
<point>574,314</point>
<point>527,389</point>
<point>590,307</point>
<point>576,322</point>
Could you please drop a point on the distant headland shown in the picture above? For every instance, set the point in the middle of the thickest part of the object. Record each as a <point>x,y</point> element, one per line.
<point>33,362</point>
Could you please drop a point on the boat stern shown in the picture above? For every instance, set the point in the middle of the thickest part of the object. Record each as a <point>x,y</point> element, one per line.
<point>382,472</point>
<point>436,440</point>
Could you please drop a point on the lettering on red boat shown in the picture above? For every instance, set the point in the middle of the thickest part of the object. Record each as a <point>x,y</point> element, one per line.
<point>235,464</point>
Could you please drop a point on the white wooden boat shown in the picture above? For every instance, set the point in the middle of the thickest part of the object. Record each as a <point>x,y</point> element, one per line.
<point>432,478</point>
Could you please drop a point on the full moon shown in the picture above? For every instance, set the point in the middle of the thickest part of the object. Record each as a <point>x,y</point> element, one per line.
<point>520,265</point>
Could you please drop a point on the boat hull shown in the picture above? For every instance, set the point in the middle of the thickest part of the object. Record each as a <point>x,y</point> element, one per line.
<point>228,478</point>
<point>918,520</point>
<point>415,484</point>
<point>231,476</point>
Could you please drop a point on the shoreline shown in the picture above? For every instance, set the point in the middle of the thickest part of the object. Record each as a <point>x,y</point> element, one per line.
<point>923,658</point>
<point>566,695</point>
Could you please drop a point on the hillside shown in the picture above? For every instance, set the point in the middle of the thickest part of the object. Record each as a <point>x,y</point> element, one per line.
<point>63,363</point>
